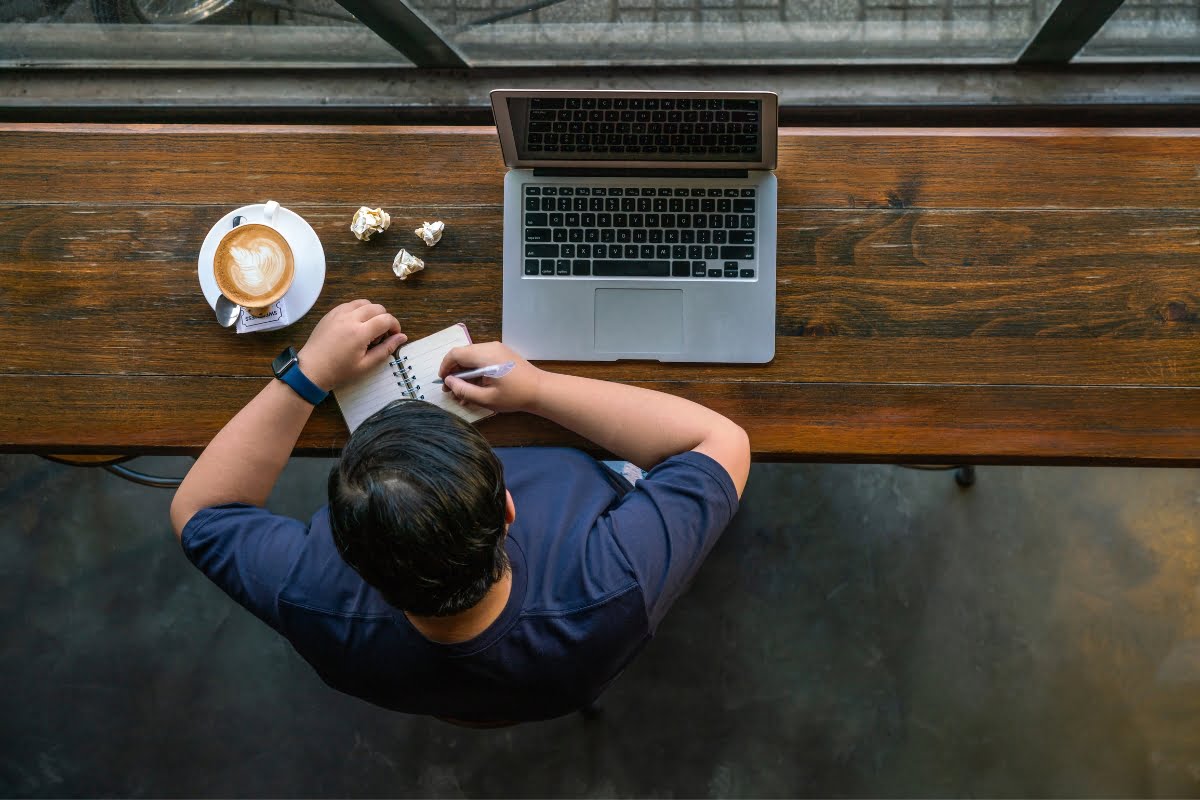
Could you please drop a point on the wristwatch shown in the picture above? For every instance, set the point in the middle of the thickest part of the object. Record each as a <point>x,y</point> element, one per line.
<point>286,367</point>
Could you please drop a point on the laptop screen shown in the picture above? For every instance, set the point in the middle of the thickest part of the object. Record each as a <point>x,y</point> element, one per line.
<point>598,128</point>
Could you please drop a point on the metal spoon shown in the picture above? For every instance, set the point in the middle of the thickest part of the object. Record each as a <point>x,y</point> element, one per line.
<point>226,310</point>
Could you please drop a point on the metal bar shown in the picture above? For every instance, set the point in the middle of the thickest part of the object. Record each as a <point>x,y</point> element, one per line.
<point>1068,28</point>
<point>407,30</point>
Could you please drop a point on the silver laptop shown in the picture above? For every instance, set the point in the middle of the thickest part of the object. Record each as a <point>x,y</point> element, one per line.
<point>639,225</point>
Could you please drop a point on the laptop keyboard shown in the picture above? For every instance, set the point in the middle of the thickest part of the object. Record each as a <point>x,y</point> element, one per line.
<point>638,232</point>
<point>636,126</point>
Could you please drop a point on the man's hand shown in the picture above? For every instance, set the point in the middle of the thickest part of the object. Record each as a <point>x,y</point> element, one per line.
<point>516,391</point>
<point>339,349</point>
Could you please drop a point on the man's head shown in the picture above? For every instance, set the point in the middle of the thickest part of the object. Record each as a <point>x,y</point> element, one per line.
<point>419,509</point>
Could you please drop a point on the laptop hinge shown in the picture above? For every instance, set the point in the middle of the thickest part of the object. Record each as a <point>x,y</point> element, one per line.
<point>565,172</point>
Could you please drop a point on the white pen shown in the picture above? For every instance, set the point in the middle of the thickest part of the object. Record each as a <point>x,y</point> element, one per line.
<point>492,371</point>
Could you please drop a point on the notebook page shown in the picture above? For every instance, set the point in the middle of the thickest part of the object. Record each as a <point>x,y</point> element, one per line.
<point>368,394</point>
<point>423,358</point>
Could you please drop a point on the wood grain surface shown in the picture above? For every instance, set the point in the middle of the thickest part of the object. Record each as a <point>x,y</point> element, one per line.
<point>991,296</point>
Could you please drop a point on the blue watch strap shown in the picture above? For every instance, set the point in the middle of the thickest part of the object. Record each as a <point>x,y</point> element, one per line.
<point>300,383</point>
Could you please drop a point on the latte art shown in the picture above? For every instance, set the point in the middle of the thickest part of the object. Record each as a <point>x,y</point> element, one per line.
<point>253,266</point>
<point>259,267</point>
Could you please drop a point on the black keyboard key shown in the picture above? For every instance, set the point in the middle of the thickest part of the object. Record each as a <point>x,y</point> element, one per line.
<point>535,220</point>
<point>531,266</point>
<point>559,234</point>
<point>632,269</point>
<point>678,251</point>
<point>556,220</point>
<point>719,236</point>
<point>547,266</point>
<point>731,220</point>
<point>731,273</point>
<point>710,251</point>
<point>583,251</point>
<point>631,251</point>
<point>747,193</point>
<point>532,204</point>
<point>733,251</point>
<point>731,192</point>
<point>639,235</point>
<point>537,234</point>
<point>664,251</point>
<point>647,251</point>
<point>699,269</point>
<point>747,221</point>
<point>563,267</point>
<point>746,273</point>
<point>548,204</point>
<point>624,236</point>
<point>541,251</point>
<point>704,237</point>
<point>714,273</point>
<point>567,251</point>
<point>533,190</point>
<point>695,251</point>
<point>743,206</point>
<point>680,269</point>
<point>575,235</point>
<point>579,267</point>
<point>741,237</point>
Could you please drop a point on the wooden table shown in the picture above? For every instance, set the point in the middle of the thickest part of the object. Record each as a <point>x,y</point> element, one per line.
<point>982,296</point>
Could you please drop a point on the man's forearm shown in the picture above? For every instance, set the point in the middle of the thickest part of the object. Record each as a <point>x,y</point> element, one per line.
<point>637,424</point>
<point>243,461</point>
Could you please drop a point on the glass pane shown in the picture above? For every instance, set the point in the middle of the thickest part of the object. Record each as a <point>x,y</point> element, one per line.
<point>1155,29</point>
<point>184,32</point>
<point>745,31</point>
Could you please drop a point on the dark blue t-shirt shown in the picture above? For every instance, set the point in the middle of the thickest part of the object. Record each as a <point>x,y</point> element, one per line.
<point>595,566</point>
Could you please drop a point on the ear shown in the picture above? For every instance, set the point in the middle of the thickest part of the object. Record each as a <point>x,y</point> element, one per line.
<point>510,510</point>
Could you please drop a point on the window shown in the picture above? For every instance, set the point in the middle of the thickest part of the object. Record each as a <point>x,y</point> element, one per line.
<point>1141,29</point>
<point>166,33</point>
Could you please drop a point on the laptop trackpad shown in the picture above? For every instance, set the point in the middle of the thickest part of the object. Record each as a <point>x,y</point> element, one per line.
<point>639,321</point>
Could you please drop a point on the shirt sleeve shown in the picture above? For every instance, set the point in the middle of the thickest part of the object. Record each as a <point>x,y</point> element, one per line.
<point>666,526</point>
<point>247,551</point>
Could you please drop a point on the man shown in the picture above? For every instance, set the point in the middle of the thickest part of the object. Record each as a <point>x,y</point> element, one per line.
<point>446,578</point>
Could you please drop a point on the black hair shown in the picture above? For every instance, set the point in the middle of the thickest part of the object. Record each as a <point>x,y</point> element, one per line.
<point>417,506</point>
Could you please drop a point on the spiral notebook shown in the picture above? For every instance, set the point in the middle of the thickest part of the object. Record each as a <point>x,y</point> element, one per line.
<point>409,375</point>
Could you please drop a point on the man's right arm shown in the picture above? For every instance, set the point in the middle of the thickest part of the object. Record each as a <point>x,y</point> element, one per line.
<point>639,425</point>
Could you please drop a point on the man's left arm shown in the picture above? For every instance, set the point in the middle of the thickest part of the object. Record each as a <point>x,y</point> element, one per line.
<point>243,461</point>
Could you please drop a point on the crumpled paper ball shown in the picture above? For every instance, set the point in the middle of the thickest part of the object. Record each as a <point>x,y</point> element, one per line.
<point>369,221</point>
<point>406,264</point>
<point>431,232</point>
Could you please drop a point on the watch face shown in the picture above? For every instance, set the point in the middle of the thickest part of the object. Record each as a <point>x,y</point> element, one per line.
<point>284,361</point>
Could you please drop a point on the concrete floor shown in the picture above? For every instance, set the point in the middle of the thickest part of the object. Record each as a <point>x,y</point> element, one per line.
<point>858,631</point>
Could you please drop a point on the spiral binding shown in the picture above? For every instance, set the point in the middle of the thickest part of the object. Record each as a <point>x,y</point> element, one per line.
<point>407,380</point>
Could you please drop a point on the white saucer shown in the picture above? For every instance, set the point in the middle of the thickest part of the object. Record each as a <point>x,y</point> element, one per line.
<point>309,255</point>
